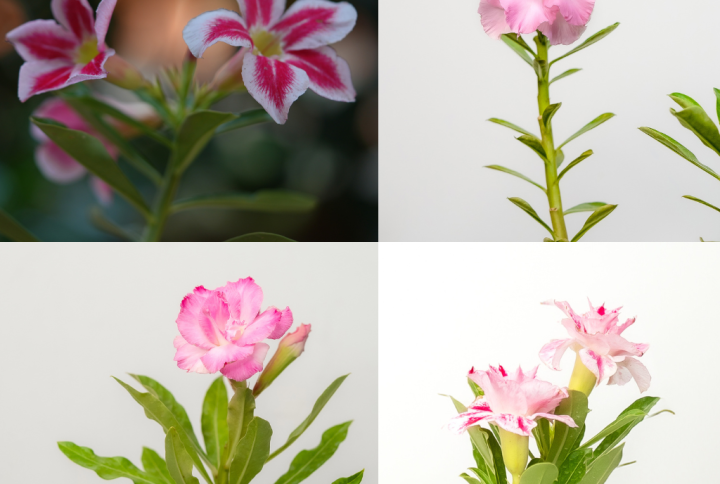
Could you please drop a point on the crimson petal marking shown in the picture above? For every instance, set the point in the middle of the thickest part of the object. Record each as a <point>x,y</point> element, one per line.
<point>329,74</point>
<point>56,165</point>
<point>274,84</point>
<point>76,16</point>
<point>95,69</point>
<point>104,14</point>
<point>43,40</point>
<point>261,13</point>
<point>211,27</point>
<point>38,77</point>
<point>309,24</point>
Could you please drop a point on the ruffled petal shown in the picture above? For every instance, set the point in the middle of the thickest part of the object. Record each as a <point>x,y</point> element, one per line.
<point>462,422</point>
<point>56,165</point>
<point>217,26</point>
<point>244,298</point>
<point>274,84</point>
<point>102,23</point>
<point>188,321</point>
<point>43,76</point>
<point>102,191</point>
<point>561,32</point>
<point>188,356</point>
<point>329,74</point>
<point>262,327</point>
<point>43,40</point>
<point>219,356</point>
<point>601,366</point>
<point>576,12</point>
<point>552,353</point>
<point>637,370</point>
<point>516,424</point>
<point>286,320</point>
<point>566,419</point>
<point>261,13</point>
<point>525,16</point>
<point>309,24</point>
<point>76,16</point>
<point>244,369</point>
<point>492,18</point>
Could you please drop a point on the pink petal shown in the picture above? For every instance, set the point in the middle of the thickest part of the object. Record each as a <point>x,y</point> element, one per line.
<point>104,14</point>
<point>261,13</point>
<point>274,84</point>
<point>188,356</point>
<point>43,40</point>
<point>561,32</point>
<point>262,327</point>
<point>244,369</point>
<point>213,27</point>
<point>38,77</point>
<point>329,74</point>
<point>188,321</point>
<point>575,12</point>
<point>286,320</point>
<point>217,357</point>
<point>624,326</point>
<point>244,298</point>
<point>309,24</point>
<point>102,191</point>
<point>552,353</point>
<point>492,18</point>
<point>76,16</point>
<point>524,16</point>
<point>566,419</point>
<point>462,422</point>
<point>60,111</point>
<point>637,370</point>
<point>57,165</point>
<point>95,69</point>
<point>601,366</point>
<point>516,424</point>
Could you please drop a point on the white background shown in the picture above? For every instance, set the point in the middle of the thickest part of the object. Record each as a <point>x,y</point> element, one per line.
<point>446,308</point>
<point>442,77</point>
<point>72,315</point>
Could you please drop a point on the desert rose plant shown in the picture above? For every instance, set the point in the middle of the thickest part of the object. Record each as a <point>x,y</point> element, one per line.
<point>283,54</point>
<point>553,22</point>
<point>518,405</point>
<point>223,330</point>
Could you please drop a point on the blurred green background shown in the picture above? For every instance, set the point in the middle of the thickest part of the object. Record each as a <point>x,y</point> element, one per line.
<point>326,149</point>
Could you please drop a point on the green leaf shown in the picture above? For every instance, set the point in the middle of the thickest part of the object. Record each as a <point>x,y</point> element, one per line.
<point>11,228</point>
<point>541,473</point>
<point>530,211</point>
<point>678,148</point>
<point>101,222</point>
<point>697,120</point>
<point>644,404</point>
<point>514,127</point>
<point>90,152</point>
<point>320,403</point>
<point>251,453</point>
<point>477,391</point>
<point>542,436</point>
<point>573,469</point>
<point>265,201</point>
<point>515,173</point>
<point>248,118</point>
<point>591,125</point>
<point>618,423</point>
<point>156,466</point>
<point>596,217</point>
<point>469,479</point>
<point>478,437</point>
<point>566,439</point>
<point>484,473</point>
<point>534,144</point>
<point>354,479</point>
<point>214,420</point>
<point>717,103</point>
<point>589,41</point>
<point>585,207</point>
<point>559,158</point>
<point>500,472</point>
<point>599,471</point>
<point>106,467</point>
<point>683,100</point>
<point>308,461</point>
<point>549,113</point>
<point>565,74</point>
<point>194,134</point>
<point>517,47</point>
<point>694,199</point>
<point>575,162</point>
<point>179,462</point>
<point>241,411</point>
<point>261,237</point>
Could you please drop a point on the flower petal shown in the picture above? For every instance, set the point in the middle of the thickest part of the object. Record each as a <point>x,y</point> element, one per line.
<point>552,353</point>
<point>274,84</point>
<point>244,369</point>
<point>524,16</point>
<point>632,367</point>
<point>188,356</point>
<point>261,13</point>
<point>329,74</point>
<point>492,18</point>
<point>188,321</point>
<point>38,77</point>
<point>58,110</point>
<point>601,366</point>
<point>219,356</point>
<point>43,40</point>
<point>286,320</point>
<point>102,23</point>
<point>217,26</point>
<point>95,69</point>
<point>566,419</point>
<point>262,327</point>
<point>76,16</point>
<point>576,12</point>
<point>57,165</point>
<point>561,32</point>
<point>244,298</point>
<point>516,424</point>
<point>102,191</point>
<point>462,422</point>
<point>309,24</point>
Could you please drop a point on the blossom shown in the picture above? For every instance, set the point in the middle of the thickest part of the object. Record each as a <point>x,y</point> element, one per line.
<point>513,402</point>
<point>596,337</point>
<point>223,329</point>
<point>289,350</point>
<point>562,21</point>
<point>288,52</point>
<point>58,55</point>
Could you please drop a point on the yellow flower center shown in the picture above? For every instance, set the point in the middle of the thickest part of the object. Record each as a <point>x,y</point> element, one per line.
<point>87,51</point>
<point>266,44</point>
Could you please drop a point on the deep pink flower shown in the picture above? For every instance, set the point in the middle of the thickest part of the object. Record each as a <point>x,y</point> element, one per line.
<point>59,55</point>
<point>596,337</point>
<point>513,402</point>
<point>289,51</point>
<point>223,329</point>
<point>562,21</point>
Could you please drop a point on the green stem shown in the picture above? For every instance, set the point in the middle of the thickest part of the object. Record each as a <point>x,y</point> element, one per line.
<point>168,189</point>
<point>551,171</point>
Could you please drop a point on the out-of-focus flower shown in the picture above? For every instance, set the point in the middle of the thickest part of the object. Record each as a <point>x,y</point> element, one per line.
<point>562,21</point>
<point>59,55</point>
<point>289,52</point>
<point>596,337</point>
<point>11,15</point>
<point>289,349</point>
<point>223,329</point>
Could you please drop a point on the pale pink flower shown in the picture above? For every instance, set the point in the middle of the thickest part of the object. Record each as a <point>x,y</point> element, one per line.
<point>289,51</point>
<point>562,21</point>
<point>513,402</point>
<point>223,329</point>
<point>596,337</point>
<point>59,55</point>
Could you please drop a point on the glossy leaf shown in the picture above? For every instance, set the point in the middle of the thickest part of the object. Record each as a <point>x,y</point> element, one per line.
<point>251,453</point>
<point>585,207</point>
<point>106,467</point>
<point>179,462</point>
<point>644,404</point>
<point>566,439</point>
<point>574,467</point>
<point>541,473</point>
<point>589,41</point>
<point>549,113</point>
<point>683,100</point>
<point>214,420</point>
<point>591,125</point>
<point>523,205</point>
<point>248,118</point>
<point>678,148</point>
<point>512,42</point>
<point>265,201</point>
<point>565,74</point>
<point>354,479</point>
<point>515,173</point>
<point>575,162</point>
<point>156,466</point>
<point>514,127</point>
<point>261,237</point>
<point>596,217</point>
<point>599,471</point>
<point>697,120</point>
<point>694,199</point>
<point>308,461</point>
<point>241,411</point>
<point>320,403</point>
<point>534,144</point>
<point>11,228</point>
<point>194,134</point>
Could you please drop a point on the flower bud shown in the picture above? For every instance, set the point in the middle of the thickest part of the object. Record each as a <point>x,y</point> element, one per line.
<point>290,348</point>
<point>229,76</point>
<point>582,379</point>
<point>515,451</point>
<point>123,74</point>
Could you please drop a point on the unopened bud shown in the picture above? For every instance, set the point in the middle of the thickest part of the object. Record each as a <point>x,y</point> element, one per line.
<point>289,349</point>
<point>229,76</point>
<point>123,74</point>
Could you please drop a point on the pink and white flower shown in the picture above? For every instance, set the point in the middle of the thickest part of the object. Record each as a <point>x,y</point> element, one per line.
<point>223,329</point>
<point>288,52</point>
<point>59,55</point>
<point>596,337</point>
<point>562,21</point>
<point>513,402</point>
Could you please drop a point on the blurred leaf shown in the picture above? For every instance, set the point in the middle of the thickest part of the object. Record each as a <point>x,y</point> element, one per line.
<point>354,479</point>
<point>599,471</point>
<point>470,480</point>
<point>179,462</point>
<point>524,206</point>
<point>508,124</point>
<point>565,74</point>
<point>559,158</point>
<point>194,134</point>
<point>248,118</point>
<point>566,439</point>
<point>106,467</point>
<point>515,173</point>
<point>701,201</point>
<point>540,473</point>
<point>214,420</point>
<point>573,469</point>
<point>251,453</point>
<point>98,219</point>
<point>679,149</point>
<point>591,125</point>
<point>589,41</point>
<point>11,228</point>
<point>266,201</point>
<point>594,219</point>
<point>261,237</point>
<point>512,42</point>
<point>683,100</point>
<point>485,475</point>
<point>697,120</point>
<point>575,162</point>
<point>585,207</point>
<point>156,466</point>
<point>534,144</point>
<point>549,113</point>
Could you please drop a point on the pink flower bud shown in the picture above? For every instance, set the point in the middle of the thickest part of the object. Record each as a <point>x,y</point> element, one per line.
<point>290,348</point>
<point>123,74</point>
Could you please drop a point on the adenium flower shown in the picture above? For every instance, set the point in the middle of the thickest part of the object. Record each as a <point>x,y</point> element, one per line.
<point>288,51</point>
<point>513,402</point>
<point>223,329</point>
<point>596,337</point>
<point>59,55</point>
<point>562,21</point>
<point>289,350</point>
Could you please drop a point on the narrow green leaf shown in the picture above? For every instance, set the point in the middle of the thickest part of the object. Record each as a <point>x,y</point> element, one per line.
<point>573,469</point>
<point>194,134</point>
<point>694,199</point>
<point>585,207</point>
<point>575,162</point>
<point>320,403</point>
<point>599,471</point>
<point>261,237</point>
<point>308,461</point>
<point>591,125</point>
<point>512,42</point>
<point>484,473</point>
<point>534,144</point>
<point>566,439</point>
<point>241,411</point>
<point>540,473</point>
<point>618,423</point>
<point>523,205</point>
<point>678,148</point>
<point>251,453</point>
<point>156,466</point>
<point>683,100</point>
<point>214,420</point>
<point>717,102</point>
<point>697,120</point>
<point>500,472</point>
<point>515,173</point>
<point>101,222</point>
<point>628,463</point>
<point>106,467</point>
<point>177,458</point>
<point>470,480</point>
<point>514,127</point>
<point>478,437</point>
<point>477,391</point>
<point>644,404</point>
<point>559,157</point>
<point>248,118</point>
<point>90,152</point>
<point>596,217</point>
<point>549,113</point>
<point>565,74</point>
<point>589,41</point>
<point>354,479</point>
<point>11,228</point>
<point>265,201</point>
<point>542,437</point>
